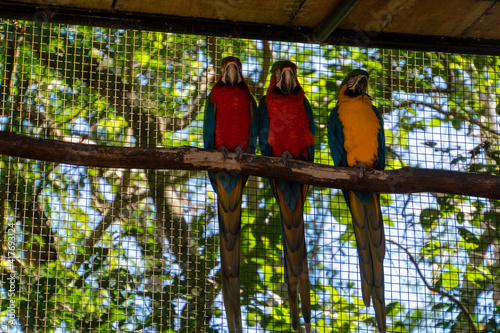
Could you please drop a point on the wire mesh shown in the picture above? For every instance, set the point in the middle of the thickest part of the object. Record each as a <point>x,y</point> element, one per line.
<point>88,249</point>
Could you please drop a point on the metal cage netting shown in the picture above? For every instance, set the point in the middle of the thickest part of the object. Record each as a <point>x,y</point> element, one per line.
<point>87,249</point>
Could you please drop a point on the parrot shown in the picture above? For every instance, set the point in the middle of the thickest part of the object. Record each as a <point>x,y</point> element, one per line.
<point>230,124</point>
<point>286,129</point>
<point>356,139</point>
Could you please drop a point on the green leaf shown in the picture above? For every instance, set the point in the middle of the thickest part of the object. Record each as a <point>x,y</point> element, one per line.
<point>469,240</point>
<point>451,277</point>
<point>385,199</point>
<point>478,275</point>
<point>450,280</point>
<point>457,124</point>
<point>429,218</point>
<point>435,122</point>
<point>393,308</point>
<point>475,167</point>
<point>253,318</point>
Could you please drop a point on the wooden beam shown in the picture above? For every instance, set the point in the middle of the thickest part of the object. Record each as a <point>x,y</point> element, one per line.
<point>405,180</point>
<point>226,28</point>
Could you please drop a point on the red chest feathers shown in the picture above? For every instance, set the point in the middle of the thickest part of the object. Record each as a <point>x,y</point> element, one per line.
<point>288,125</point>
<point>232,117</point>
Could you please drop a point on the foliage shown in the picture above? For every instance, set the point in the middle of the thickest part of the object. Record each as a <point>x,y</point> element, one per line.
<point>128,250</point>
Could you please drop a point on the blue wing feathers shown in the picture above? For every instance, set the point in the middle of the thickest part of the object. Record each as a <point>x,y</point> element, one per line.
<point>381,141</point>
<point>254,127</point>
<point>209,124</point>
<point>265,149</point>
<point>311,127</point>
<point>289,191</point>
<point>336,139</point>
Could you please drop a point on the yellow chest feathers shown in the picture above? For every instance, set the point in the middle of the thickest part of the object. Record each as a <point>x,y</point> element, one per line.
<point>361,128</point>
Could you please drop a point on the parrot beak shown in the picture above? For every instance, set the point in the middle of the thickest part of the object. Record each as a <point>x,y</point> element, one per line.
<point>230,74</point>
<point>359,85</point>
<point>362,86</point>
<point>286,81</point>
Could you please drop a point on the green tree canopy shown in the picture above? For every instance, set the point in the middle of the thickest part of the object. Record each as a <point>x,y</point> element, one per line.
<point>94,249</point>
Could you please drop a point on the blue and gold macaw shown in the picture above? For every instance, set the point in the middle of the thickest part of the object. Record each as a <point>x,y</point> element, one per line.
<point>230,124</point>
<point>287,130</point>
<point>356,139</point>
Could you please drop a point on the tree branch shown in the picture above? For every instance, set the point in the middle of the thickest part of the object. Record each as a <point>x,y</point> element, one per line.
<point>267,52</point>
<point>469,291</point>
<point>453,115</point>
<point>405,180</point>
<point>110,212</point>
<point>437,291</point>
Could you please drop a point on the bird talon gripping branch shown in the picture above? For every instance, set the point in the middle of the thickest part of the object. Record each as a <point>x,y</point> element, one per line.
<point>239,153</point>
<point>224,152</point>
<point>362,169</point>
<point>286,156</point>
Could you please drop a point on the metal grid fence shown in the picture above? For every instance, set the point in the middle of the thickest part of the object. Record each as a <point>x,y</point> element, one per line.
<point>87,249</point>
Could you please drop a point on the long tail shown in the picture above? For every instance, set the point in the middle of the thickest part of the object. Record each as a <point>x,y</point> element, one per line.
<point>370,239</point>
<point>294,246</point>
<point>229,194</point>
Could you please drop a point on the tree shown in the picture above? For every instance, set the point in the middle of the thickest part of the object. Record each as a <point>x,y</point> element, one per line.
<point>101,249</point>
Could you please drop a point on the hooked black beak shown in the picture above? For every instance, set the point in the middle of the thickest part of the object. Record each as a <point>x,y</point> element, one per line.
<point>231,74</point>
<point>361,86</point>
<point>287,80</point>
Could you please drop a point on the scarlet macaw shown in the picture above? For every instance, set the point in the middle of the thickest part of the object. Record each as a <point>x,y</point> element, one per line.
<point>287,130</point>
<point>356,139</point>
<point>230,124</point>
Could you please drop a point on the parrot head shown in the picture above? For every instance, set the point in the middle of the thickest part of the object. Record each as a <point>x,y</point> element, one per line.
<point>357,83</point>
<point>285,75</point>
<point>231,71</point>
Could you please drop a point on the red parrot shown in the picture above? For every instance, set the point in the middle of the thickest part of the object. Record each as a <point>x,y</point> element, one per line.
<point>230,124</point>
<point>286,129</point>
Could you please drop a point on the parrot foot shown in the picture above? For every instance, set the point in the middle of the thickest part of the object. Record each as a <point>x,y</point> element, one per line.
<point>375,161</point>
<point>302,157</point>
<point>286,156</point>
<point>224,151</point>
<point>362,169</point>
<point>239,153</point>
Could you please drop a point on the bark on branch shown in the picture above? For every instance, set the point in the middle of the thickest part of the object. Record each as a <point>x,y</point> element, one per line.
<point>405,180</point>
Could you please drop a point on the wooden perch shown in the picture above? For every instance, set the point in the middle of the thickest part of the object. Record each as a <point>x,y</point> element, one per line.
<point>405,180</point>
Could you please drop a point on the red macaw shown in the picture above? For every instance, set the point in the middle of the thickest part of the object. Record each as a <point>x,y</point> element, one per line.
<point>287,130</point>
<point>230,124</point>
<point>356,139</point>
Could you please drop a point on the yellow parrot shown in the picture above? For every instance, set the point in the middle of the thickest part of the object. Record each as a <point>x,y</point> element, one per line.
<point>356,139</point>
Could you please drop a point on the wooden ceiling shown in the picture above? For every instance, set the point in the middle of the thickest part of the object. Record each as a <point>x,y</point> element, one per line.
<point>463,22</point>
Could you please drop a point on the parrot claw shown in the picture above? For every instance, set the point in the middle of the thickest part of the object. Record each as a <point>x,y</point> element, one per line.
<point>287,156</point>
<point>224,152</point>
<point>239,153</point>
<point>362,169</point>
